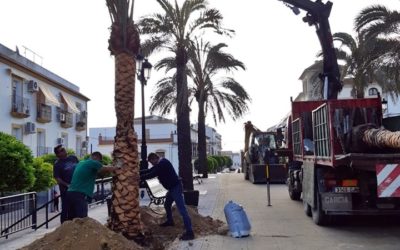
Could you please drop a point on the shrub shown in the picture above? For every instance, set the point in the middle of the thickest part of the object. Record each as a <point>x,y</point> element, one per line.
<point>43,174</point>
<point>16,170</point>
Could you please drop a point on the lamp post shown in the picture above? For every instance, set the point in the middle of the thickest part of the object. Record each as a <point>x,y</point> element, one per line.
<point>143,68</point>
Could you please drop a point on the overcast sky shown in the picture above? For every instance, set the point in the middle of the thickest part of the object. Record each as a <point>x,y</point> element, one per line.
<point>274,44</point>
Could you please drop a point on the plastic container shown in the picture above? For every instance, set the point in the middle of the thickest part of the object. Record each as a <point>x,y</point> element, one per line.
<point>238,223</point>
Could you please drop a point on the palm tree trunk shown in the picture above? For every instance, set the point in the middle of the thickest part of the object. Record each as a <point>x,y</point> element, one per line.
<point>382,138</point>
<point>201,130</point>
<point>125,216</point>
<point>183,121</point>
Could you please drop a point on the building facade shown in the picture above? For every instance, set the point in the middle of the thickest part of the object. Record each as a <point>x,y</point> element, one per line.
<point>40,108</point>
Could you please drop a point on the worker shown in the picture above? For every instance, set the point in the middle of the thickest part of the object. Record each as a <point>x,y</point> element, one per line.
<point>165,172</point>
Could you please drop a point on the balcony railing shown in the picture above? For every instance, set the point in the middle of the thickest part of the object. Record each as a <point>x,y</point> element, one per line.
<point>43,113</point>
<point>81,120</point>
<point>20,106</point>
<point>42,150</point>
<point>67,121</point>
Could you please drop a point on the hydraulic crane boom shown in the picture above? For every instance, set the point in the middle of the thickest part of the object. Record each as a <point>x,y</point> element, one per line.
<point>317,15</point>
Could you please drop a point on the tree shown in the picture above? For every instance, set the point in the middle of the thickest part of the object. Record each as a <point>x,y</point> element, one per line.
<point>124,45</point>
<point>225,95</point>
<point>358,54</point>
<point>173,31</point>
<point>43,175</point>
<point>376,22</point>
<point>16,170</point>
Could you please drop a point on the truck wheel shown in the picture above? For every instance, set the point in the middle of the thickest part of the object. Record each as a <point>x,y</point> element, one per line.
<point>318,215</point>
<point>307,208</point>
<point>294,195</point>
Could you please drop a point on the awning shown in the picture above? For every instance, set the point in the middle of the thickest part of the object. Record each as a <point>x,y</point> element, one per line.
<point>71,105</point>
<point>50,98</point>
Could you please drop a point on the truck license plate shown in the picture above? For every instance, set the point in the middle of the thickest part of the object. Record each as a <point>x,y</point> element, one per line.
<point>347,190</point>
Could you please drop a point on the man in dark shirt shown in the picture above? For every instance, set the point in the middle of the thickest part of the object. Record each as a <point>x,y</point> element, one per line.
<point>165,172</point>
<point>63,169</point>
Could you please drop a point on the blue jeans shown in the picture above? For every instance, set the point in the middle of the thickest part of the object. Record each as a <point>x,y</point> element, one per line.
<point>77,205</point>
<point>176,194</point>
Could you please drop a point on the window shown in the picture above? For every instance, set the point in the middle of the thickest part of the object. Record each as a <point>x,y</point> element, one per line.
<point>65,139</point>
<point>373,91</point>
<point>17,132</point>
<point>78,146</point>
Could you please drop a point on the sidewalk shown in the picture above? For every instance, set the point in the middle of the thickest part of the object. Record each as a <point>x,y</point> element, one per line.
<point>209,190</point>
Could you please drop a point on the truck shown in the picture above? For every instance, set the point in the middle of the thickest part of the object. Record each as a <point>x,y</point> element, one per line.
<point>261,161</point>
<point>342,161</point>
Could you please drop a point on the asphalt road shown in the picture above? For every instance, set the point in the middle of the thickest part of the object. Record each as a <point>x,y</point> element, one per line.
<point>284,225</point>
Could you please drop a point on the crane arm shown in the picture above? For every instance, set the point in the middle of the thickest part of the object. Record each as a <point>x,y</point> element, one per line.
<point>318,14</point>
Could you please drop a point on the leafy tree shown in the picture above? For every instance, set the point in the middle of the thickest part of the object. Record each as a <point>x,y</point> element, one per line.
<point>228,161</point>
<point>16,170</point>
<point>173,30</point>
<point>212,164</point>
<point>49,158</point>
<point>124,44</point>
<point>43,175</point>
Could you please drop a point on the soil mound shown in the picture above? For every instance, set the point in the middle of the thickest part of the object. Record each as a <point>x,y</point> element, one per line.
<point>89,234</point>
<point>86,233</point>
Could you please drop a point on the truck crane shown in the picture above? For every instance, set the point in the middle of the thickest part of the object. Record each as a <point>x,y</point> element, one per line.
<point>342,161</point>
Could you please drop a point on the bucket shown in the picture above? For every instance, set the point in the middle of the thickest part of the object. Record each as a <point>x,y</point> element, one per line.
<point>238,223</point>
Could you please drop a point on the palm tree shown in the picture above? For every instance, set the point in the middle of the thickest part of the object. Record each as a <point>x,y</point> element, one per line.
<point>173,31</point>
<point>205,63</point>
<point>124,45</point>
<point>359,55</point>
<point>378,22</point>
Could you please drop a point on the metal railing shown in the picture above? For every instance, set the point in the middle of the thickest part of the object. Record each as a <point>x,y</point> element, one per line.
<point>17,212</point>
<point>20,212</point>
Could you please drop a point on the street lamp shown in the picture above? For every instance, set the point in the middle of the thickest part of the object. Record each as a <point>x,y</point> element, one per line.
<point>143,70</point>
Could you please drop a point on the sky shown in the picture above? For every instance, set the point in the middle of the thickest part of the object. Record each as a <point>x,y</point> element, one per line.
<point>71,37</point>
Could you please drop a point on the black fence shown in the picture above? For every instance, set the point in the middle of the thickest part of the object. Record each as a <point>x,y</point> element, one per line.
<point>21,211</point>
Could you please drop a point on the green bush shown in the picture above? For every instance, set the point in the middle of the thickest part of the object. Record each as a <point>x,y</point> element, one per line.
<point>49,158</point>
<point>16,170</point>
<point>43,174</point>
<point>212,164</point>
<point>228,161</point>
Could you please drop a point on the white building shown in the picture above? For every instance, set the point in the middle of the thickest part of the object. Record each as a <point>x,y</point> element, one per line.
<point>40,108</point>
<point>214,140</point>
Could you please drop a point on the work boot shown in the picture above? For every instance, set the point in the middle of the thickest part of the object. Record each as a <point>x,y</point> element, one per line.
<point>167,224</point>
<point>187,236</point>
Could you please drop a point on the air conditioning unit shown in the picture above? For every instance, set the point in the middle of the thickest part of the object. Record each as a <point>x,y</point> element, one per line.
<point>30,128</point>
<point>84,144</point>
<point>60,140</point>
<point>62,117</point>
<point>33,86</point>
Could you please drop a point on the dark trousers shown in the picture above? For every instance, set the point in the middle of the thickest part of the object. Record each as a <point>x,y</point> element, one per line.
<point>64,206</point>
<point>77,205</point>
<point>176,194</point>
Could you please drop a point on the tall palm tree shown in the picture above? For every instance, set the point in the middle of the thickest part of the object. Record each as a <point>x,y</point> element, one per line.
<point>124,44</point>
<point>215,96</point>
<point>380,23</point>
<point>173,31</point>
<point>359,55</point>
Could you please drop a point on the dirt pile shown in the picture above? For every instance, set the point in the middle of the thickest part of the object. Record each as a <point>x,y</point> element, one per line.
<point>88,234</point>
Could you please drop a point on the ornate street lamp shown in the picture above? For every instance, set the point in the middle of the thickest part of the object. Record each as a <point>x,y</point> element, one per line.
<point>143,68</point>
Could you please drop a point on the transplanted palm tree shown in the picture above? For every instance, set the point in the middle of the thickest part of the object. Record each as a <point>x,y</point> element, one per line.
<point>124,44</point>
<point>173,31</point>
<point>215,96</point>
<point>380,23</point>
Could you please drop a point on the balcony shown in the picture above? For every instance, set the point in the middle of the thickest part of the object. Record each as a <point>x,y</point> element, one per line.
<point>81,121</point>
<point>66,119</point>
<point>20,107</point>
<point>42,150</point>
<point>43,113</point>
